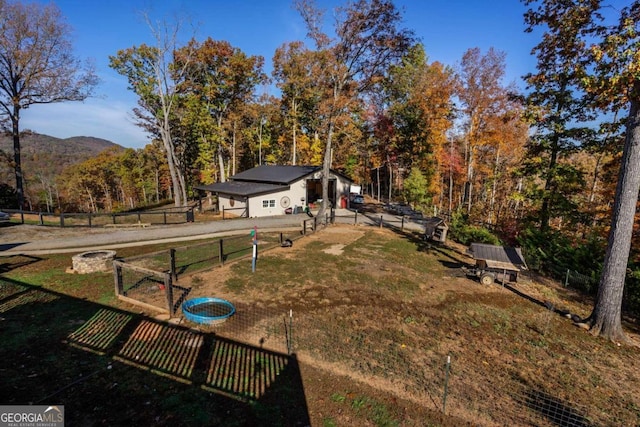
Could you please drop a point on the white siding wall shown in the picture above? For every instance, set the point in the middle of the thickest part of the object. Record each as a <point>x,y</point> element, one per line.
<point>238,208</point>
<point>342,187</point>
<point>271,204</point>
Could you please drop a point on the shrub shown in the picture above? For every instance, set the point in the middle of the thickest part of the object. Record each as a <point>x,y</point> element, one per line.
<point>471,234</point>
<point>553,253</point>
<point>462,232</point>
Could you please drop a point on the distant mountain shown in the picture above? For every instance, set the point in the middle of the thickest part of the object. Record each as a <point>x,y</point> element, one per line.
<point>82,146</point>
<point>46,156</point>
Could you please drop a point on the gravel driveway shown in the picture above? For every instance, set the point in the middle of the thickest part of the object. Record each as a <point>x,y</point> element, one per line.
<point>33,239</point>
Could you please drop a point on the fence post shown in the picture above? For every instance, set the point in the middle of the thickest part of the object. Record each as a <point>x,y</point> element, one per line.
<point>41,218</point>
<point>90,219</point>
<point>402,224</point>
<point>355,221</point>
<point>290,334</point>
<point>446,384</point>
<point>172,267</point>
<point>221,251</point>
<point>113,218</point>
<point>117,278</point>
<point>168,286</point>
<point>164,214</point>
<point>223,212</point>
<point>566,280</point>
<point>380,221</point>
<point>21,216</point>
<point>61,220</point>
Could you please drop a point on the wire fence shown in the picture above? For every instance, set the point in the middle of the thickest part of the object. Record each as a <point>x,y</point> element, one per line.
<point>243,371</point>
<point>580,281</point>
<point>152,280</point>
<point>436,380</point>
<point>277,328</point>
<point>246,356</point>
<point>515,397</point>
<point>257,336</point>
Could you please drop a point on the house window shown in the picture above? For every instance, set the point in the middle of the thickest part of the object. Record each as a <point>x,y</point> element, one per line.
<point>269,203</point>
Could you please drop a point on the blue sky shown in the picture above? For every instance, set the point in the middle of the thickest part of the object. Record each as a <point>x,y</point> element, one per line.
<point>447,28</point>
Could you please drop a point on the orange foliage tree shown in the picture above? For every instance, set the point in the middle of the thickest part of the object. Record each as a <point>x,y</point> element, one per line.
<point>420,111</point>
<point>489,123</point>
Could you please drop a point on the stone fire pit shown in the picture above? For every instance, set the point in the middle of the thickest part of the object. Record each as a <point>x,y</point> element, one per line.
<point>93,261</point>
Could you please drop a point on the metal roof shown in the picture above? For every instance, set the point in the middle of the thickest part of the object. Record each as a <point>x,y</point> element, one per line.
<point>431,224</point>
<point>243,189</point>
<point>275,174</point>
<point>262,179</point>
<point>497,254</point>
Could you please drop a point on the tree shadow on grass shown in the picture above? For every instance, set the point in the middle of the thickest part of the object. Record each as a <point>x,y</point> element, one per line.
<point>112,367</point>
<point>424,245</point>
<point>16,261</point>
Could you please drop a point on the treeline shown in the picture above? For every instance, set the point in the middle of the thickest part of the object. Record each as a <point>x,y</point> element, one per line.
<point>467,141</point>
<point>454,139</point>
<point>443,138</point>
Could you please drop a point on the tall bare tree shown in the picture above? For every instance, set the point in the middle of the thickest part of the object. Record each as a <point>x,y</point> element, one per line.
<point>37,66</point>
<point>152,77</point>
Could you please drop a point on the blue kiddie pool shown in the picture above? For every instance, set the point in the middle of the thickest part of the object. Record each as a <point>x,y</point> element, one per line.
<point>208,311</point>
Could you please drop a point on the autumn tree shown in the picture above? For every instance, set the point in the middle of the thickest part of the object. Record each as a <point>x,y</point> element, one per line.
<point>152,78</point>
<point>558,110</point>
<point>88,186</point>
<point>420,109</point>
<point>157,181</point>
<point>481,95</point>
<point>503,155</point>
<point>605,56</point>
<point>196,130</point>
<point>259,127</point>
<point>222,78</point>
<point>295,71</point>
<point>368,39</point>
<point>37,66</point>
<point>130,178</point>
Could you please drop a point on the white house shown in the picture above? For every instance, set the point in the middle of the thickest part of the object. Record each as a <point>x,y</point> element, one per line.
<point>268,190</point>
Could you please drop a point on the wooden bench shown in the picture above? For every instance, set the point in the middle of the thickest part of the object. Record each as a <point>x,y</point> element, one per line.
<point>128,225</point>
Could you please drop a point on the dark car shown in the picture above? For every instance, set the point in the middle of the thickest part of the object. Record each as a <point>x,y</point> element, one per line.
<point>357,200</point>
<point>4,217</point>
